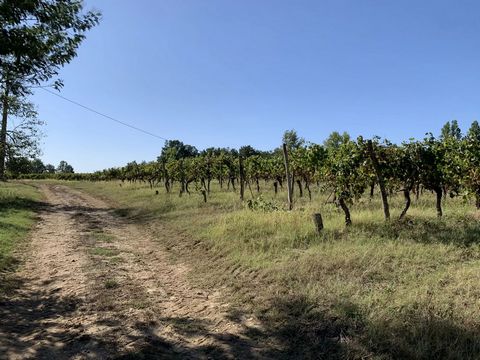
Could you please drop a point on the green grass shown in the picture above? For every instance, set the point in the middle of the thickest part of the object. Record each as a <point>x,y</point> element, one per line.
<point>101,236</point>
<point>376,290</point>
<point>101,251</point>
<point>111,284</point>
<point>17,216</point>
<point>115,260</point>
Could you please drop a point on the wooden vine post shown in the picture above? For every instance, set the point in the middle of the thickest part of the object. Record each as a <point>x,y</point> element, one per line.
<point>318,221</point>
<point>289,179</point>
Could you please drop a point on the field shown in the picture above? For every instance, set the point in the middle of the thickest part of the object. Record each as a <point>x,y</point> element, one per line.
<point>375,290</point>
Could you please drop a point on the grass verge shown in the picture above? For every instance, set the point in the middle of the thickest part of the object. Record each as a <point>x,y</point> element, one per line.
<point>17,215</point>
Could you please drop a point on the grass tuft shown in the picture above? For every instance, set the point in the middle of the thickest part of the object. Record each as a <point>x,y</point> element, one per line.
<point>111,284</point>
<point>101,251</point>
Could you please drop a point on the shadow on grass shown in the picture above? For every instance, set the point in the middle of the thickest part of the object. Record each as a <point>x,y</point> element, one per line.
<point>18,203</point>
<point>143,215</point>
<point>294,329</point>
<point>305,332</point>
<point>463,231</point>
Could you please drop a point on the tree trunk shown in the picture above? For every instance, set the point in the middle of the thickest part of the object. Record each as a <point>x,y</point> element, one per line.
<point>275,186</point>
<point>439,193</point>
<point>343,205</point>
<point>380,180</point>
<point>406,194</point>
<point>300,189</point>
<point>167,185</point>
<point>182,188</point>
<point>477,200</point>
<point>280,182</point>
<point>258,185</point>
<point>372,188</point>
<point>307,186</point>
<point>3,134</point>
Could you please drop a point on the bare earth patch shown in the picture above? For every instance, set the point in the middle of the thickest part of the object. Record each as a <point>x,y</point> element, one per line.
<point>95,286</point>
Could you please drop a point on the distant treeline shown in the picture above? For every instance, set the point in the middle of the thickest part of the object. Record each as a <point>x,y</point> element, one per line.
<point>23,167</point>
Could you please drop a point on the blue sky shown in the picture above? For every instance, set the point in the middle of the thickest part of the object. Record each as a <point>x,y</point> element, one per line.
<point>231,73</point>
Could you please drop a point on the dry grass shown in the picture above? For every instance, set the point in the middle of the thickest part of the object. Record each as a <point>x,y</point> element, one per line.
<point>377,290</point>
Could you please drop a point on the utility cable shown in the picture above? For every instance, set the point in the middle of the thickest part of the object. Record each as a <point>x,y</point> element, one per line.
<point>105,116</point>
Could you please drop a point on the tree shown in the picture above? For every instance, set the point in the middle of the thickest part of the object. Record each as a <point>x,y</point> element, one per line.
<point>19,165</point>
<point>64,168</point>
<point>474,131</point>
<point>38,38</point>
<point>292,140</point>
<point>176,149</point>
<point>247,151</point>
<point>50,169</point>
<point>23,165</point>
<point>23,138</point>
<point>37,166</point>
<point>451,130</point>
<point>336,139</point>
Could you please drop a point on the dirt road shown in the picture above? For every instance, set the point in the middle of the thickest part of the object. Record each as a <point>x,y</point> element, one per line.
<point>97,287</point>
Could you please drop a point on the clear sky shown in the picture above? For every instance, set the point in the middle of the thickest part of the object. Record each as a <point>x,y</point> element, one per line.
<point>230,73</point>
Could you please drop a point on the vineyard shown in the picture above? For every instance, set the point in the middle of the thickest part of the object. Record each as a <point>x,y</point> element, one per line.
<point>345,169</point>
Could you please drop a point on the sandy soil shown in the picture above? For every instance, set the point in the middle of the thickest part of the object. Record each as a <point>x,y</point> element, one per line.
<point>97,287</point>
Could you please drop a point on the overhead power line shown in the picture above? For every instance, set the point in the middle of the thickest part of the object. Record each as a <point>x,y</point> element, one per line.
<point>104,115</point>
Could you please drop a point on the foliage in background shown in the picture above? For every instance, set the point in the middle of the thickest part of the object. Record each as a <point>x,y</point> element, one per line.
<point>38,38</point>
